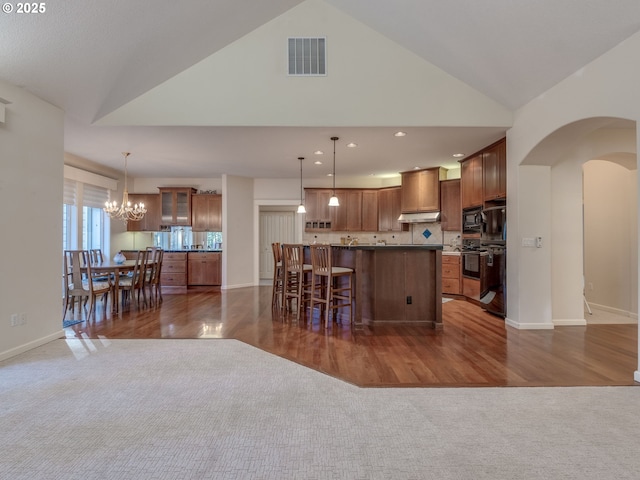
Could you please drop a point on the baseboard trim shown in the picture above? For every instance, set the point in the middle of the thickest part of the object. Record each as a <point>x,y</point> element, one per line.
<point>636,376</point>
<point>617,311</point>
<point>241,285</point>
<point>528,326</point>
<point>569,322</point>
<point>31,345</point>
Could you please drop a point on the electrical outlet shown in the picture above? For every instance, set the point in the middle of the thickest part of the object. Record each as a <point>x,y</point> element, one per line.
<point>14,320</point>
<point>409,300</point>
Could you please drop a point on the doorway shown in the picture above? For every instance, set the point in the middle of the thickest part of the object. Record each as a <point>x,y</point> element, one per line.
<point>276,225</point>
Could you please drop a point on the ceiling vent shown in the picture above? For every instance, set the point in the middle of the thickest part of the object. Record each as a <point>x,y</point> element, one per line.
<point>307,56</point>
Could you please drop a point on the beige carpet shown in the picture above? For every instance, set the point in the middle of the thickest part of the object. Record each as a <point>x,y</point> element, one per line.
<point>219,409</point>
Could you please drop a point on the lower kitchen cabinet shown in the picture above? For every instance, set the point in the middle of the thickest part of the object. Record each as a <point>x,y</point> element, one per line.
<point>173,277</point>
<point>204,268</point>
<point>451,274</point>
<point>471,288</point>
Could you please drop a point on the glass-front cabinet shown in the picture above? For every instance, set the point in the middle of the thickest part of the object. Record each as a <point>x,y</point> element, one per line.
<point>176,206</point>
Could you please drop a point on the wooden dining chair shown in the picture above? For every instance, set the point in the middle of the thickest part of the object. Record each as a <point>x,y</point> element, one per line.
<point>82,283</point>
<point>152,274</point>
<point>132,285</point>
<point>331,286</point>
<point>296,279</point>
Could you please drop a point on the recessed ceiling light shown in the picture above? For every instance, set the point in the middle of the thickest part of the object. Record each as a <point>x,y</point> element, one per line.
<point>317,162</point>
<point>399,134</point>
<point>458,155</point>
<point>416,168</point>
<point>352,145</point>
<point>318,152</point>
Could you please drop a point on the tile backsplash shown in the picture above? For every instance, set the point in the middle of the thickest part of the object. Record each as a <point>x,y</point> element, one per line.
<point>415,236</point>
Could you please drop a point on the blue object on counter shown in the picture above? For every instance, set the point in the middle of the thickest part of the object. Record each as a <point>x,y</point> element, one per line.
<point>426,233</point>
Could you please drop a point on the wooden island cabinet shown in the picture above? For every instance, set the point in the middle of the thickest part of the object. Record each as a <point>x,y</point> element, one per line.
<point>395,283</point>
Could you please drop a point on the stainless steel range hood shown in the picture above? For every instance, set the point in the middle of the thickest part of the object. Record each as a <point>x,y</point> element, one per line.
<point>429,217</point>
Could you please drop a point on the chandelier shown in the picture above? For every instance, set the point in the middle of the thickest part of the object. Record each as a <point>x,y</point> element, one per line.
<point>125,211</point>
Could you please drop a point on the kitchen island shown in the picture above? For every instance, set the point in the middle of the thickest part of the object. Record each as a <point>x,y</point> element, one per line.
<point>395,283</point>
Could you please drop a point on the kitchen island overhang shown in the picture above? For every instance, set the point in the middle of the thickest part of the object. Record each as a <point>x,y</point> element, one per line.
<point>395,283</point>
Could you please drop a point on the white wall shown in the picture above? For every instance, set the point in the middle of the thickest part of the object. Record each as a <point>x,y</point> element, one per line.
<point>31,179</point>
<point>611,225</point>
<point>238,232</point>
<point>607,87</point>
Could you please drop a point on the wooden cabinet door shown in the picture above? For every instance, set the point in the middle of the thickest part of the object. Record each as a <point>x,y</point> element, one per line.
<point>339,213</point>
<point>429,190</point>
<point>353,208</point>
<point>410,192</point>
<point>204,268</point>
<point>471,182</point>
<point>389,209</point>
<point>451,211</point>
<point>495,172</point>
<point>370,210</point>
<point>206,213</point>
<point>318,216</point>
<point>151,220</point>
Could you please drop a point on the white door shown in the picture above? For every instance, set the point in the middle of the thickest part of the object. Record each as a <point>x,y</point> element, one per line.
<point>274,227</point>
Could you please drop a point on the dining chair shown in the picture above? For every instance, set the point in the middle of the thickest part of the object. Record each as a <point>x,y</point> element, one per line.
<point>152,274</point>
<point>81,282</point>
<point>276,293</point>
<point>132,285</point>
<point>331,286</point>
<point>296,281</point>
<point>96,256</point>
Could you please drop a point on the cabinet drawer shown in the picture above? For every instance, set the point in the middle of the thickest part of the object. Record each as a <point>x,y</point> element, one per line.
<point>451,259</point>
<point>171,256</point>
<point>451,285</point>
<point>173,279</point>
<point>204,256</point>
<point>173,266</point>
<point>451,271</point>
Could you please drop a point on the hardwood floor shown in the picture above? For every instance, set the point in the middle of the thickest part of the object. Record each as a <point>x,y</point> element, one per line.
<point>474,349</point>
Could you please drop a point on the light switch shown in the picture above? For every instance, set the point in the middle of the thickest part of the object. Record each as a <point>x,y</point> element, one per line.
<point>528,242</point>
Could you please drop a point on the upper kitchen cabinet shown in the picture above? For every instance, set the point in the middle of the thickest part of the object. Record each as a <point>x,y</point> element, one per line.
<point>471,181</point>
<point>347,217</point>
<point>370,206</point>
<point>451,212</point>
<point>318,216</point>
<point>151,220</point>
<point>206,213</point>
<point>494,171</point>
<point>389,209</point>
<point>421,190</point>
<point>175,204</point>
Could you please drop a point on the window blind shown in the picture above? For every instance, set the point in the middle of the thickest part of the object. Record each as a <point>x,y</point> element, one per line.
<point>69,195</point>
<point>94,196</point>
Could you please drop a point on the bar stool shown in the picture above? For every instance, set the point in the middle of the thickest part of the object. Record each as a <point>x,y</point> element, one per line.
<point>296,278</point>
<point>327,285</point>
<point>276,294</point>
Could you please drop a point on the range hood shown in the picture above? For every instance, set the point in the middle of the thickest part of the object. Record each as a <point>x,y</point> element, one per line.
<point>428,217</point>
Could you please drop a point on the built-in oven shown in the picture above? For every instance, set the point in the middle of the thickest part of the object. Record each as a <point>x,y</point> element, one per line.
<point>472,221</point>
<point>471,264</point>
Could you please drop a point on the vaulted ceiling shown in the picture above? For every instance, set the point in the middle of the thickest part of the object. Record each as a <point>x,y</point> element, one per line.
<point>194,88</point>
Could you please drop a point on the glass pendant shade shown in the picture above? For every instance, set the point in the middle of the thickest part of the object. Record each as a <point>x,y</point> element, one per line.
<point>301,209</point>
<point>334,202</point>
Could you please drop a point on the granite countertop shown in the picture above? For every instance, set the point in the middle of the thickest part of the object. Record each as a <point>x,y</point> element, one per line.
<point>389,247</point>
<point>199,250</point>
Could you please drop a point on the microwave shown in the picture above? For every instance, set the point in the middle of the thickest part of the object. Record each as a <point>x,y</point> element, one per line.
<point>472,220</point>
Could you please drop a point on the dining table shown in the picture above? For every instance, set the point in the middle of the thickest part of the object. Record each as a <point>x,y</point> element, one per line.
<point>109,267</point>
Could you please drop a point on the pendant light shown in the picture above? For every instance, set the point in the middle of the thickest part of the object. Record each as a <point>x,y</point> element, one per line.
<point>301,208</point>
<point>333,201</point>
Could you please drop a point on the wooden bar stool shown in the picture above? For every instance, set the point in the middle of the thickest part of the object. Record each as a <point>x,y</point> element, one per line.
<point>331,287</point>
<point>296,281</point>
<point>278,277</point>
